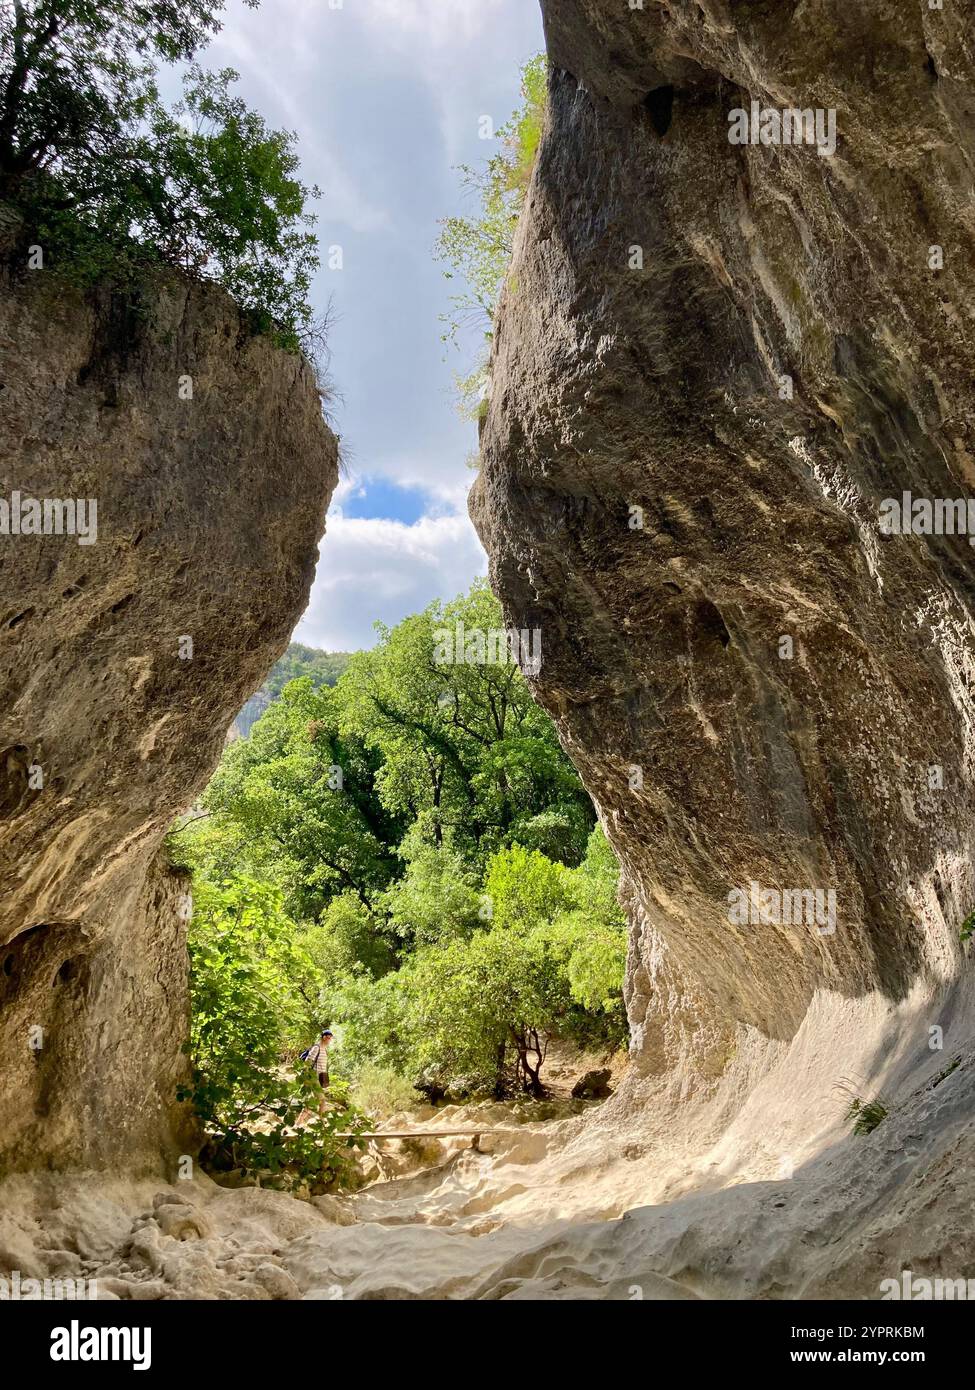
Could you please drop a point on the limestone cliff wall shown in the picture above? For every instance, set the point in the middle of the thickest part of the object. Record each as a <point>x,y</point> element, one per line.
<point>210,506</point>
<point>754,346</point>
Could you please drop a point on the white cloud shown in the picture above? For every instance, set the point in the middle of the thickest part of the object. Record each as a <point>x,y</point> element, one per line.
<point>461,49</point>
<point>386,98</point>
<point>283,59</point>
<point>345,488</point>
<point>445,479</point>
<point>439,24</point>
<point>371,568</point>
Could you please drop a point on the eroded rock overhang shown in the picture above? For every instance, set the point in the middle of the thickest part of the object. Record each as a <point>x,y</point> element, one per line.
<point>124,655</point>
<point>713,363</point>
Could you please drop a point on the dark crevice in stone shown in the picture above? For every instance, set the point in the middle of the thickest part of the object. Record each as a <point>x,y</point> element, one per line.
<point>660,104</point>
<point>14,763</point>
<point>68,970</point>
<point>711,623</point>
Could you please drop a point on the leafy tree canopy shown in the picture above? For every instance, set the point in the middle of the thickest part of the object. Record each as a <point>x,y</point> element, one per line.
<point>436,899</point>
<point>466,753</point>
<point>111,182</point>
<point>324,668</point>
<point>418,842</point>
<point>304,794</point>
<point>591,934</point>
<point>550,961</point>
<point>477,1003</point>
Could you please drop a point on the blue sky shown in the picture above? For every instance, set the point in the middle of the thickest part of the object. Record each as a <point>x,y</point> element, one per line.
<point>386,97</point>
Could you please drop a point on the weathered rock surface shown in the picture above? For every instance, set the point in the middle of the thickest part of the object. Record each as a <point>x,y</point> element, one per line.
<point>594,1085</point>
<point>209,511</point>
<point>747,349</point>
<point>659,388</point>
<point>846,765</point>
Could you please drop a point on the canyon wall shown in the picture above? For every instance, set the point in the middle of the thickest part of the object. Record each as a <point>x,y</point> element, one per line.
<point>713,363</point>
<point>122,664</point>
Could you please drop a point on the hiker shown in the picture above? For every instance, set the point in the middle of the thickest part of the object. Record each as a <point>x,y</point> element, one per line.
<point>317,1056</point>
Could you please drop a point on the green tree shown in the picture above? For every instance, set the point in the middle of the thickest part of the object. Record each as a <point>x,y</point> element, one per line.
<point>349,939</point>
<point>487,1006</point>
<point>477,1003</point>
<point>111,183</point>
<point>436,899</point>
<point>323,668</point>
<point>592,936</point>
<point>466,754</point>
<point>305,796</point>
<point>526,890</point>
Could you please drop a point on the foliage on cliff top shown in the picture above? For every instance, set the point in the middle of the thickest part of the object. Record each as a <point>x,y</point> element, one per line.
<point>111,182</point>
<point>477,249</point>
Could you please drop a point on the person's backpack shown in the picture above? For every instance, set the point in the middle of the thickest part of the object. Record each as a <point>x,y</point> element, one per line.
<point>303,1056</point>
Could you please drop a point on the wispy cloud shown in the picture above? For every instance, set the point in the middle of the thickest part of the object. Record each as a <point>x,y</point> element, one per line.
<point>373,568</point>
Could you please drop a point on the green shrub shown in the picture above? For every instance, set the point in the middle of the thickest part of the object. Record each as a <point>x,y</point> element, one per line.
<point>248,1007</point>
<point>376,1023</point>
<point>268,1146</point>
<point>866,1115</point>
<point>381,1092</point>
<point>477,249</point>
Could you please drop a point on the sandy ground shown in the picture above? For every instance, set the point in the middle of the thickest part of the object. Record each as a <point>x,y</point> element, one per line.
<point>756,1189</point>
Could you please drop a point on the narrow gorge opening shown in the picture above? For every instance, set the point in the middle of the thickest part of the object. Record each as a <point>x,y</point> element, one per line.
<point>559,885</point>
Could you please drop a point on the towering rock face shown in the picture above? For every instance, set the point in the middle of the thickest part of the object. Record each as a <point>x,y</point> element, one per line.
<point>714,362</point>
<point>124,655</point>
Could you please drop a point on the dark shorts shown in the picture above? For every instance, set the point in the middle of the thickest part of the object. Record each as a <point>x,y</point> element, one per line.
<point>323,1079</point>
